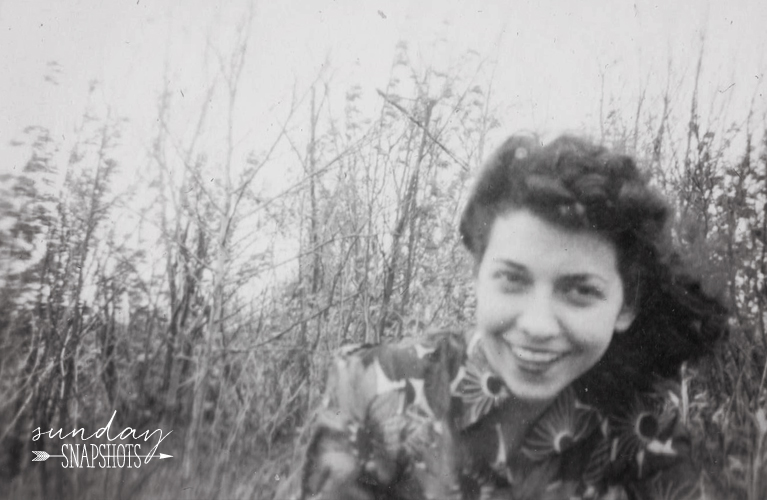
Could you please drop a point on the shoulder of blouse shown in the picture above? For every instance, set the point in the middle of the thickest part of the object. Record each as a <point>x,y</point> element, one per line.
<point>651,447</point>
<point>644,449</point>
<point>424,368</point>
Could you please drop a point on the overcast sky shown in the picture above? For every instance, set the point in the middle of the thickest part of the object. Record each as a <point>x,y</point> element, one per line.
<point>550,53</point>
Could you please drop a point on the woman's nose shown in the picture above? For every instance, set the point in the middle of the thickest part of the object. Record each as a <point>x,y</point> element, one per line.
<point>538,318</point>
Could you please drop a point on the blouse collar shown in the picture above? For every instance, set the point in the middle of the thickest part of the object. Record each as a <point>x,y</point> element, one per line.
<point>564,423</point>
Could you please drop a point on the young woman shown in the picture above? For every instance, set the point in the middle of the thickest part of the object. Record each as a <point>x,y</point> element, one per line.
<point>566,387</point>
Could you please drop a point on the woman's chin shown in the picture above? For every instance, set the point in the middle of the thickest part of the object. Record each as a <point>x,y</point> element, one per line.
<point>536,382</point>
<point>534,393</point>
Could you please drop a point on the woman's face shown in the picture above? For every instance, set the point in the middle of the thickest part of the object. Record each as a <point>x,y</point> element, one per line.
<point>548,303</point>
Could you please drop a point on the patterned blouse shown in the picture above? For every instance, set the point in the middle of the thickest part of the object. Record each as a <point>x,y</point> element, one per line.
<point>425,420</point>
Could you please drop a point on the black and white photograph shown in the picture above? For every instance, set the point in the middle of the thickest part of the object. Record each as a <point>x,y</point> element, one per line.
<point>383,250</point>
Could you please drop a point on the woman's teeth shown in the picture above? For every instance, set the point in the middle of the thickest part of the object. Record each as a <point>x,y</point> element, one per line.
<point>535,356</point>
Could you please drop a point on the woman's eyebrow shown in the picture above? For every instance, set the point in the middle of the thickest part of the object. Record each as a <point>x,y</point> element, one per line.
<point>584,277</point>
<point>510,263</point>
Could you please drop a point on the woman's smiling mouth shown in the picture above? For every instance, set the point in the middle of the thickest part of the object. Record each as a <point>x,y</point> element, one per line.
<point>535,355</point>
<point>532,355</point>
<point>535,360</point>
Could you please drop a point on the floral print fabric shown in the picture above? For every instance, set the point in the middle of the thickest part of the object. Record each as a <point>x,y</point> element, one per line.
<point>425,420</point>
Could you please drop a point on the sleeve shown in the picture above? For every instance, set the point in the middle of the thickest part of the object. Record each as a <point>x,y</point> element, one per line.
<point>383,426</point>
<point>335,465</point>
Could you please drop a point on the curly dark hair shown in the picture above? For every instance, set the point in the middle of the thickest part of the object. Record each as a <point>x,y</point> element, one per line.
<point>581,186</point>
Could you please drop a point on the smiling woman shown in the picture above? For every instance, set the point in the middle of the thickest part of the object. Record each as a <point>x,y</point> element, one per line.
<point>566,386</point>
<point>548,302</point>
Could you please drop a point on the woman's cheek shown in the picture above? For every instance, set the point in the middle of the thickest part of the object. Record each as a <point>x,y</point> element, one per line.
<point>592,327</point>
<point>495,317</point>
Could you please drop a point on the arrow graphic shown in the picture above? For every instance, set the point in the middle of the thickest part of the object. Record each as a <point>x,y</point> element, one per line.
<point>41,456</point>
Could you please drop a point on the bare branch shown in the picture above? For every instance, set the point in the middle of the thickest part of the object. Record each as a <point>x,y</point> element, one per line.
<point>426,131</point>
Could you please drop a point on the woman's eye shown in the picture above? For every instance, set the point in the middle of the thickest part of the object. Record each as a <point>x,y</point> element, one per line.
<point>583,294</point>
<point>512,281</point>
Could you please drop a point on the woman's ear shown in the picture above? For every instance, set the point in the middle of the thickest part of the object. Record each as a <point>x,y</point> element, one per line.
<point>625,318</point>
